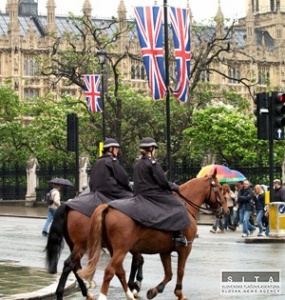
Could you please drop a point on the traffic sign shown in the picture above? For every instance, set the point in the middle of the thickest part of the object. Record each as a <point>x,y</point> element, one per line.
<point>278,133</point>
<point>281,209</point>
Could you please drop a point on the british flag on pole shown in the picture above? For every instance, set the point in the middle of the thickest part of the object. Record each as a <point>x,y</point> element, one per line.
<point>92,88</point>
<point>180,24</point>
<point>149,27</point>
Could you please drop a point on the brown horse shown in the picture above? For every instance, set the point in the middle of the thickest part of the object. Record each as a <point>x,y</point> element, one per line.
<point>73,227</point>
<point>122,234</point>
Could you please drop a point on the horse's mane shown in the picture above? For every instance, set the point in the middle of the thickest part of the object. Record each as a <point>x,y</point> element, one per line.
<point>193,181</point>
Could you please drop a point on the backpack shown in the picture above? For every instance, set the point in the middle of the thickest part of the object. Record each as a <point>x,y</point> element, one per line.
<point>48,198</point>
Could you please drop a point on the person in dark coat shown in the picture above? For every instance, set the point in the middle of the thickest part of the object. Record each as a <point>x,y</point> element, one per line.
<point>278,191</point>
<point>154,205</point>
<point>108,181</point>
<point>245,201</point>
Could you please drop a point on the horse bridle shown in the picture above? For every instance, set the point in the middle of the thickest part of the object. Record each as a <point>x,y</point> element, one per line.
<point>213,187</point>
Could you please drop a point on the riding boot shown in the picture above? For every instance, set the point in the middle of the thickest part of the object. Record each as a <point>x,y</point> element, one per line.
<point>180,239</point>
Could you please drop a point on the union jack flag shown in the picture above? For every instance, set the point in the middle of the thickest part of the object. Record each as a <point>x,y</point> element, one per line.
<point>92,87</point>
<point>180,24</point>
<point>149,27</point>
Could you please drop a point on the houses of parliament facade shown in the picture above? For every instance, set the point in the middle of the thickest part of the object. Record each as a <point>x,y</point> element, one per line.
<point>259,37</point>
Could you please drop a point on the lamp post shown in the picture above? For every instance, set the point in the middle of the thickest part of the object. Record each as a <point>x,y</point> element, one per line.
<point>101,54</point>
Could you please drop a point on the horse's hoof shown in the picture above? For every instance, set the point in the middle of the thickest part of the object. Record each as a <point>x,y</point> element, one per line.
<point>138,285</point>
<point>90,284</point>
<point>90,296</point>
<point>151,293</point>
<point>180,296</point>
<point>135,293</point>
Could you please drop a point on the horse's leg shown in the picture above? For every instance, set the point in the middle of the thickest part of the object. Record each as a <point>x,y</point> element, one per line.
<point>139,276</point>
<point>82,286</point>
<point>182,257</point>
<point>67,268</point>
<point>166,262</point>
<point>77,266</point>
<point>136,271</point>
<point>115,266</point>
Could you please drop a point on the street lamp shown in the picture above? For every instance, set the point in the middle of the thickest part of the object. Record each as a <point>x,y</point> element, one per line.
<point>101,54</point>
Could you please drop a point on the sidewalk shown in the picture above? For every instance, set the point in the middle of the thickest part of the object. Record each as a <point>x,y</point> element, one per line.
<point>23,275</point>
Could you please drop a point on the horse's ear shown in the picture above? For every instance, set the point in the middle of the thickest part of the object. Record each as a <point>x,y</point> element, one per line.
<point>214,172</point>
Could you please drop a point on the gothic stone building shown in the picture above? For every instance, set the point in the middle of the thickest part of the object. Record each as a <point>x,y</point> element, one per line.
<point>24,35</point>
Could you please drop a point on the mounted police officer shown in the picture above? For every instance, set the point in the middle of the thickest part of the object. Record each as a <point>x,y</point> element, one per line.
<point>108,181</point>
<point>154,205</point>
<point>108,176</point>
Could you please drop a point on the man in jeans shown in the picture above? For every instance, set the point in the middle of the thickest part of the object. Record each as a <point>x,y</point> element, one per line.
<point>245,199</point>
<point>55,196</point>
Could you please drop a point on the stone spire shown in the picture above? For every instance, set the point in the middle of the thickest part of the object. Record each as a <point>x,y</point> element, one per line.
<point>51,25</point>
<point>250,26</point>
<point>122,11</point>
<point>12,10</point>
<point>87,9</point>
<point>219,18</point>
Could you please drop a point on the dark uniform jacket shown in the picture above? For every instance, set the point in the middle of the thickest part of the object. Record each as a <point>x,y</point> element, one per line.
<point>154,205</point>
<point>109,177</point>
<point>108,181</point>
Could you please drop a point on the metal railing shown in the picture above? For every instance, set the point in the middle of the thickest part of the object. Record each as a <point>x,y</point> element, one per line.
<point>13,178</point>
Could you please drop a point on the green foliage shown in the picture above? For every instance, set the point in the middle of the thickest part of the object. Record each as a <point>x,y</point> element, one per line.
<point>228,135</point>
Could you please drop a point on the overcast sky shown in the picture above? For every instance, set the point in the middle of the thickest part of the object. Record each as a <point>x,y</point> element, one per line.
<point>201,9</point>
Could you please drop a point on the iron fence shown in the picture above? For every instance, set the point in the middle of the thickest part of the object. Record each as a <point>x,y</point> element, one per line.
<point>13,185</point>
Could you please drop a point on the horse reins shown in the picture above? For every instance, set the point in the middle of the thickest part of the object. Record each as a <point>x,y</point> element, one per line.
<point>202,209</point>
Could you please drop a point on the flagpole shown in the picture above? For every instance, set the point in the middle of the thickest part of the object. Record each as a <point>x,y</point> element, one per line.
<point>166,51</point>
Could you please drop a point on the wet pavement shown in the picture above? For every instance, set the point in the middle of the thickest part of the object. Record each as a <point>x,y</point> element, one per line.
<point>22,264</point>
<point>11,274</point>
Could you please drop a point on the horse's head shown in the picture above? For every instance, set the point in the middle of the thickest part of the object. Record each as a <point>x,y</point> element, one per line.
<point>216,199</point>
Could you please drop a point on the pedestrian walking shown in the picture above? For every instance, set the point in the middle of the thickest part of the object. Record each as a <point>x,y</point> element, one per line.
<point>55,197</point>
<point>258,199</point>
<point>245,201</point>
<point>236,220</point>
<point>230,198</point>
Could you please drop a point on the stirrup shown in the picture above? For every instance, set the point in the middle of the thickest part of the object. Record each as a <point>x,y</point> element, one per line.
<point>181,241</point>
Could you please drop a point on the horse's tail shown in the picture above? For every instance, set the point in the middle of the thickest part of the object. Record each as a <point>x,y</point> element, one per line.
<point>55,241</point>
<point>94,244</point>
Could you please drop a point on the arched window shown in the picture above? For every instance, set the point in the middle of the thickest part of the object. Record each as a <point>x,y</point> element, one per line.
<point>133,71</point>
<point>36,67</point>
<point>230,75</point>
<point>31,69</point>
<point>238,75</point>
<point>137,76</point>
<point>142,72</point>
<point>26,68</point>
<point>272,8</point>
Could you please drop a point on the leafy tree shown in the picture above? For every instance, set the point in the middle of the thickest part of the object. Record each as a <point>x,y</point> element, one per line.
<point>14,138</point>
<point>229,136</point>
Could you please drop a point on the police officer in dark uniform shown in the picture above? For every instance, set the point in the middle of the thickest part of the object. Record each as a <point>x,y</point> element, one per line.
<point>154,205</point>
<point>108,181</point>
<point>108,176</point>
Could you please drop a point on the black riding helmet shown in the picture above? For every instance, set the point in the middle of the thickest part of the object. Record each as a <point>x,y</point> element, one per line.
<point>110,142</point>
<point>147,142</point>
<point>109,145</point>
